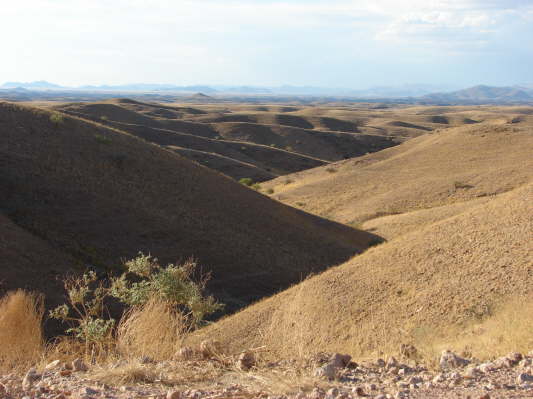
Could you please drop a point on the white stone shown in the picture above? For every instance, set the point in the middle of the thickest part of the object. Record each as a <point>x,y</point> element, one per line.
<point>450,360</point>
<point>328,371</point>
<point>53,365</point>
<point>524,378</point>
<point>340,361</point>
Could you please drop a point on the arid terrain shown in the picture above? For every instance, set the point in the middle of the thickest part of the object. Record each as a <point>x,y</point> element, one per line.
<point>398,235</point>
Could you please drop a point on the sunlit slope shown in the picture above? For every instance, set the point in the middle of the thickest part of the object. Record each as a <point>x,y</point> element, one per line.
<point>441,168</point>
<point>422,288</point>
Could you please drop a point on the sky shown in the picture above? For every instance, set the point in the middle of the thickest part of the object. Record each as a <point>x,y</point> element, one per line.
<point>330,43</point>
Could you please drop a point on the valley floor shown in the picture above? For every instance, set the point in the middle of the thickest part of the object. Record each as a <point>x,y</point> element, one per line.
<point>220,377</point>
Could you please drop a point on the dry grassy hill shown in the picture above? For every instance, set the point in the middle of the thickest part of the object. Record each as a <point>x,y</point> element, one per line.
<point>464,282</point>
<point>75,193</point>
<point>456,207</point>
<point>435,170</point>
<point>256,145</point>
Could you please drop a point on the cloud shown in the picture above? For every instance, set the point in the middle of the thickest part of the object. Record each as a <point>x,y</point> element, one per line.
<point>251,41</point>
<point>445,24</point>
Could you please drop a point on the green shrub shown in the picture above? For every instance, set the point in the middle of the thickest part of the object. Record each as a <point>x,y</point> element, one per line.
<point>246,181</point>
<point>256,186</point>
<point>173,284</point>
<point>85,310</point>
<point>102,139</point>
<point>331,170</point>
<point>56,118</point>
<point>143,280</point>
<point>270,191</point>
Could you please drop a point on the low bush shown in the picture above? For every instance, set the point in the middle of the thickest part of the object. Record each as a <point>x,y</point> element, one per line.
<point>56,118</point>
<point>143,286</point>
<point>246,181</point>
<point>102,139</point>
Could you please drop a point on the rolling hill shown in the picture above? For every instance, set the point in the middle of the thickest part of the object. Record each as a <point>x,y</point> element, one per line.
<point>434,170</point>
<point>436,287</point>
<point>456,271</point>
<point>260,147</point>
<point>76,194</point>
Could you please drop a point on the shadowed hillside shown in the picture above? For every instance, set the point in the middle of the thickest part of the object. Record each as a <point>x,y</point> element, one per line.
<point>259,146</point>
<point>430,288</point>
<point>456,208</point>
<point>77,194</point>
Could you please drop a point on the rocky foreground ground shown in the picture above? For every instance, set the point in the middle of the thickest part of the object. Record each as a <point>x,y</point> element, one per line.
<point>326,376</point>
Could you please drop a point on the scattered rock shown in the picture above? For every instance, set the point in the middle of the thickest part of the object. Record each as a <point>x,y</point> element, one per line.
<point>53,365</point>
<point>86,391</point>
<point>317,393</point>
<point>359,391</point>
<point>29,379</point>
<point>514,357</point>
<point>246,361</point>
<point>487,367</point>
<point>391,362</point>
<point>393,371</point>
<point>471,372</point>
<point>146,360</point>
<point>371,387</point>
<point>524,378</point>
<point>340,361</point>
<point>415,380</point>
<point>450,360</point>
<point>328,371</point>
<point>173,395</point>
<point>210,348</point>
<point>408,351</point>
<point>79,365</point>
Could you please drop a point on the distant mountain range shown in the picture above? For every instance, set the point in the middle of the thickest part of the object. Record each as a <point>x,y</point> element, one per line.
<point>41,84</point>
<point>377,92</point>
<point>484,94</point>
<point>419,93</point>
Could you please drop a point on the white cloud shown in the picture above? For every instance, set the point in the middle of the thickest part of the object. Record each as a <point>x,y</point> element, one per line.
<point>90,41</point>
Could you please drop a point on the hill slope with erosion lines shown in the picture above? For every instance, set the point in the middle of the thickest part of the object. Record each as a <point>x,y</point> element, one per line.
<point>98,195</point>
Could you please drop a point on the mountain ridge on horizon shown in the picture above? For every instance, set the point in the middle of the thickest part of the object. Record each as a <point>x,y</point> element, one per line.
<point>422,92</point>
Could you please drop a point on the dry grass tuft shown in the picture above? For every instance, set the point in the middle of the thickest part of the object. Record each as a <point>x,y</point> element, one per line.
<point>21,335</point>
<point>155,330</point>
<point>507,329</point>
<point>127,373</point>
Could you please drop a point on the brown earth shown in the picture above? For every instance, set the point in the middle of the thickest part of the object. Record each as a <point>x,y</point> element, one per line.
<point>450,166</point>
<point>75,193</point>
<point>263,145</point>
<point>425,287</point>
<point>456,206</point>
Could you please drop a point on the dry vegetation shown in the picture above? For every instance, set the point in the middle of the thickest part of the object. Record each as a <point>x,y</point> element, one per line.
<point>453,202</point>
<point>21,337</point>
<point>70,199</point>
<point>421,288</point>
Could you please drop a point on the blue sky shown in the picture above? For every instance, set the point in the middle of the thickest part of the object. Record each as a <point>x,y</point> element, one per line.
<point>335,43</point>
